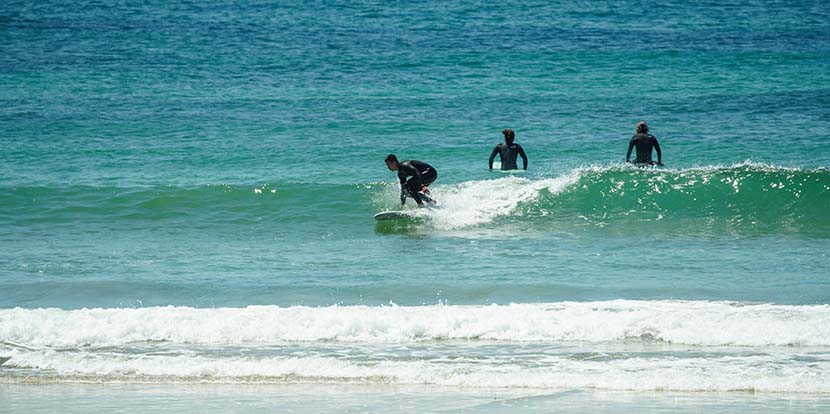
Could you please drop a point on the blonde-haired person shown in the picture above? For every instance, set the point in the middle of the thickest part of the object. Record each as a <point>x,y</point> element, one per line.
<point>644,142</point>
<point>508,151</point>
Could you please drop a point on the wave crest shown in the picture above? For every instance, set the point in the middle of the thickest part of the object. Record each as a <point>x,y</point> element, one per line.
<point>743,198</point>
<point>699,323</point>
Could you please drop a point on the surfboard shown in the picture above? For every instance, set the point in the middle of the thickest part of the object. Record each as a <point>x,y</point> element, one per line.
<point>399,214</point>
<point>393,214</point>
<point>497,168</point>
<point>4,359</point>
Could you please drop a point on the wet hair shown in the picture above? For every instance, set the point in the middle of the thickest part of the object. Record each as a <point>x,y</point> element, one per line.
<point>509,135</point>
<point>391,158</point>
<point>642,128</point>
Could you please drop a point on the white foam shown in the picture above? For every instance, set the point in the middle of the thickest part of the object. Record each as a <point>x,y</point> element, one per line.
<point>630,345</point>
<point>763,373</point>
<point>700,323</point>
<point>474,203</point>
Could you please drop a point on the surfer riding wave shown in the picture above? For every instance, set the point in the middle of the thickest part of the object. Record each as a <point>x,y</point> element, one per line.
<point>420,174</point>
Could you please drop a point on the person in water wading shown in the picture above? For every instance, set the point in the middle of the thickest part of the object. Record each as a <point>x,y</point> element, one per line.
<point>644,143</point>
<point>508,151</point>
<point>417,186</point>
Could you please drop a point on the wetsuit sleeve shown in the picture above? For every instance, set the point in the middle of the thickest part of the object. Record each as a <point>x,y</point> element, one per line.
<point>522,154</point>
<point>402,178</point>
<point>493,155</point>
<point>630,146</point>
<point>417,199</point>
<point>404,170</point>
<point>659,153</point>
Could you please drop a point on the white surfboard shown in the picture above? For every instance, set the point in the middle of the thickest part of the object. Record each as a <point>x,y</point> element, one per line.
<point>400,214</point>
<point>393,214</point>
<point>497,168</point>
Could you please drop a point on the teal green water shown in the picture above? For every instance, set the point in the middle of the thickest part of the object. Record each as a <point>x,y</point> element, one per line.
<point>596,233</point>
<point>178,164</point>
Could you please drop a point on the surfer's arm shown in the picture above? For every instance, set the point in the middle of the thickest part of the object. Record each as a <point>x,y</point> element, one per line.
<point>417,199</point>
<point>630,146</point>
<point>659,154</point>
<point>402,178</point>
<point>522,154</point>
<point>406,170</point>
<point>493,156</point>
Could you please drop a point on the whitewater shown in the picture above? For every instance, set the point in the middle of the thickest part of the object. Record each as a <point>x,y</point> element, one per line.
<point>616,345</point>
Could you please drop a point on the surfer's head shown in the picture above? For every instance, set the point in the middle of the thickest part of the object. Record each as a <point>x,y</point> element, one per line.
<point>642,128</point>
<point>391,162</point>
<point>509,135</point>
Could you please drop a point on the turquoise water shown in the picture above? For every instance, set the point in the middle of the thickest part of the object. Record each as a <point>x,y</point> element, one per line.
<point>187,192</point>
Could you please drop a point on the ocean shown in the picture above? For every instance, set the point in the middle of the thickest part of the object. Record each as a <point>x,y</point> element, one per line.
<point>187,192</point>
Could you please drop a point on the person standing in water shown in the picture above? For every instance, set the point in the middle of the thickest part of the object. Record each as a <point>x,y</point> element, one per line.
<point>417,186</point>
<point>508,152</point>
<point>644,143</point>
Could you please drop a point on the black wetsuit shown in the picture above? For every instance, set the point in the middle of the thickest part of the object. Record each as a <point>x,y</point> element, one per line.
<point>422,174</point>
<point>644,143</point>
<point>508,154</point>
